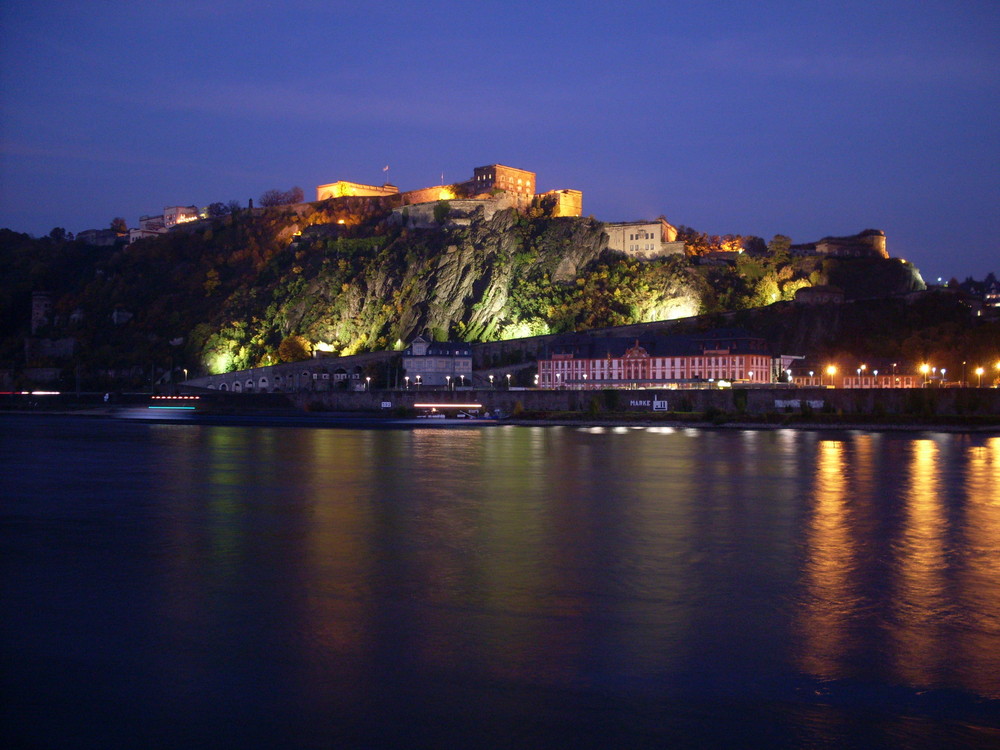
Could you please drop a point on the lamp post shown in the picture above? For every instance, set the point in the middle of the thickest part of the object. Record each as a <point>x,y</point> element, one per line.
<point>831,371</point>
<point>585,381</point>
<point>558,375</point>
<point>368,383</point>
<point>536,381</point>
<point>406,380</point>
<point>418,382</point>
<point>924,369</point>
<point>979,372</point>
<point>491,382</point>
<point>963,373</point>
<point>461,381</point>
<point>447,379</point>
<point>508,381</point>
<point>875,376</point>
<point>944,381</point>
<point>811,372</point>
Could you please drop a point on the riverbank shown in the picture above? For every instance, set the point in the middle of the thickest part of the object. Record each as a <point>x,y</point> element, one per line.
<point>298,418</point>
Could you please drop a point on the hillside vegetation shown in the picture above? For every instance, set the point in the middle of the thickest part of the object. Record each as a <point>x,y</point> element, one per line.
<point>258,287</point>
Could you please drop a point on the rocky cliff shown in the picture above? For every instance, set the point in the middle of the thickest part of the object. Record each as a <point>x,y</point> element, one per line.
<point>235,290</point>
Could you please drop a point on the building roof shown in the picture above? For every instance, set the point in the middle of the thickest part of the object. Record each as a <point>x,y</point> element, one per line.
<point>734,340</point>
<point>440,348</point>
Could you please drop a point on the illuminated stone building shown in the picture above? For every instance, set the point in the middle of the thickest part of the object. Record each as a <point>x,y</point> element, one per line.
<point>657,362</point>
<point>568,202</point>
<point>174,215</point>
<point>513,187</point>
<point>499,177</point>
<point>817,373</point>
<point>153,225</point>
<point>644,240</point>
<point>870,243</point>
<point>437,363</point>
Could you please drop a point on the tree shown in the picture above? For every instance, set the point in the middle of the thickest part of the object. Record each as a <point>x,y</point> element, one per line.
<point>294,349</point>
<point>441,210</point>
<point>119,225</point>
<point>281,198</point>
<point>58,234</point>
<point>779,244</point>
<point>216,210</point>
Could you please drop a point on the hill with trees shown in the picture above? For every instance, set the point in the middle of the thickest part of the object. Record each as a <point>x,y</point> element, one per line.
<point>247,287</point>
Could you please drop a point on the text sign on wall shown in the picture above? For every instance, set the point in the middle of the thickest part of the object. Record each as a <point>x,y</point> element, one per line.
<point>652,402</point>
<point>794,403</point>
<point>387,404</point>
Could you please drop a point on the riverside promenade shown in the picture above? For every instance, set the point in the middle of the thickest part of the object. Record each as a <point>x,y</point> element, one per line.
<point>876,402</point>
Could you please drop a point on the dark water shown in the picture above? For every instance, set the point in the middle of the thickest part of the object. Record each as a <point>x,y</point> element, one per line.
<point>210,586</point>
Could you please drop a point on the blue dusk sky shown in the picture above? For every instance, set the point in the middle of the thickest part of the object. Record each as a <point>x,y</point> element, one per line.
<point>802,118</point>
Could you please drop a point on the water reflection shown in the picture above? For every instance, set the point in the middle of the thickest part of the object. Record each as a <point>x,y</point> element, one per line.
<point>919,605</point>
<point>901,568</point>
<point>978,577</point>
<point>830,601</point>
<point>350,576</point>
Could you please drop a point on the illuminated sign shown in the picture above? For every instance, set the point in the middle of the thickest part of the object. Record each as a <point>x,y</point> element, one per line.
<point>653,403</point>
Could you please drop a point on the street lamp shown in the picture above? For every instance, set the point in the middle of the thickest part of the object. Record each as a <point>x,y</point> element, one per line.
<point>585,381</point>
<point>558,375</point>
<point>448,381</point>
<point>831,371</point>
<point>508,381</point>
<point>979,372</point>
<point>491,381</point>
<point>461,381</point>
<point>418,382</point>
<point>943,380</point>
<point>875,376</point>
<point>406,379</point>
<point>368,383</point>
<point>536,381</point>
<point>924,369</point>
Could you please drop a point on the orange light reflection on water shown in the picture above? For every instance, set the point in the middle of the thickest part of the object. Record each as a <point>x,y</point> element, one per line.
<point>979,574</point>
<point>830,595</point>
<point>919,603</point>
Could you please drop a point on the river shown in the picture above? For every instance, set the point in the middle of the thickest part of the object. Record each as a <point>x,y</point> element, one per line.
<point>184,585</point>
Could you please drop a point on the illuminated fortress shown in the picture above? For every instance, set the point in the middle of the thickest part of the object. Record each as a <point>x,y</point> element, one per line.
<point>495,183</point>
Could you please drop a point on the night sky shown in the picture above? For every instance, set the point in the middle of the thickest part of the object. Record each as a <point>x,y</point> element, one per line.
<point>802,118</point>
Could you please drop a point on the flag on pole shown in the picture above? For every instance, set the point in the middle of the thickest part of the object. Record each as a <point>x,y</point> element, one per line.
<point>385,168</point>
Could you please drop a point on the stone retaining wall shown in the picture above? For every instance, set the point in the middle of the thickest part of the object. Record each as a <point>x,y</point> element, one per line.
<point>926,402</point>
